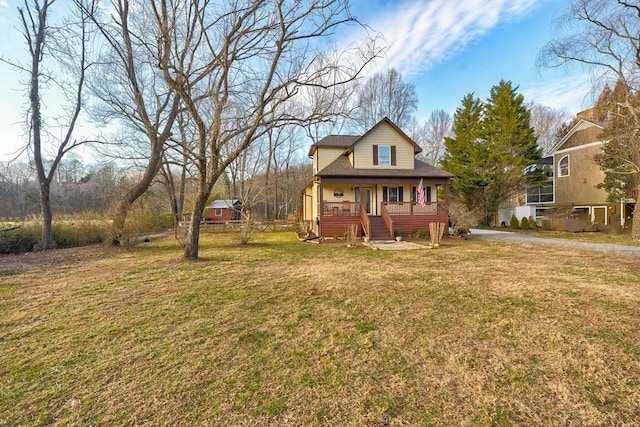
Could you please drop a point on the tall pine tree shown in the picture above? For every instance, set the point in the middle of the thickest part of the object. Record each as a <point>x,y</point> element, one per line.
<point>494,154</point>
<point>464,151</point>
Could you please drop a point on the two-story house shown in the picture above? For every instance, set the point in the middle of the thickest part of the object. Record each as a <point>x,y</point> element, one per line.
<point>571,190</point>
<point>372,181</point>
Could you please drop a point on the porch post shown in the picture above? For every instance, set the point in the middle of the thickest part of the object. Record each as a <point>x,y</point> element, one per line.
<point>446,197</point>
<point>411,201</point>
<point>320,210</point>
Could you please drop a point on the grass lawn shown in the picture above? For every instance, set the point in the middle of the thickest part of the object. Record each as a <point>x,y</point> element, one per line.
<point>280,332</point>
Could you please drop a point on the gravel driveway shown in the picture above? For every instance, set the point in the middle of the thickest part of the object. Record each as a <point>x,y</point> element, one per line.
<point>509,236</point>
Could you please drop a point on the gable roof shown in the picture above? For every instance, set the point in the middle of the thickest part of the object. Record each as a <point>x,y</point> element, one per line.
<point>341,167</point>
<point>580,125</point>
<point>223,204</point>
<point>336,141</point>
<point>349,141</point>
<point>385,120</point>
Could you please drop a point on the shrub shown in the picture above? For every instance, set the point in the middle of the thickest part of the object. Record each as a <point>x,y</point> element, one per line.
<point>247,228</point>
<point>420,233</point>
<point>524,223</point>
<point>23,239</point>
<point>140,223</point>
<point>514,223</point>
<point>460,218</point>
<point>66,234</point>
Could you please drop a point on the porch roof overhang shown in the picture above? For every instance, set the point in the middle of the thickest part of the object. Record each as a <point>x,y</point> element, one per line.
<point>375,180</point>
<point>341,170</point>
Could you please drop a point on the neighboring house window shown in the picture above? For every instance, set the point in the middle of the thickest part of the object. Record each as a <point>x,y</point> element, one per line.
<point>384,155</point>
<point>392,194</point>
<point>542,194</point>
<point>217,212</point>
<point>563,166</point>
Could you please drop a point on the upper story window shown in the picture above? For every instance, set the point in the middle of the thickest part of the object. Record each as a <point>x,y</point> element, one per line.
<point>563,166</point>
<point>384,155</point>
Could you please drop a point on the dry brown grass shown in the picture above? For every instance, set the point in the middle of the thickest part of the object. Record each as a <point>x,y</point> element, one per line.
<point>284,333</point>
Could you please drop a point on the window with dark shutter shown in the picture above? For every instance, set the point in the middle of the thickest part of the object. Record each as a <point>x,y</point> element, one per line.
<point>384,154</point>
<point>393,155</point>
<point>385,194</point>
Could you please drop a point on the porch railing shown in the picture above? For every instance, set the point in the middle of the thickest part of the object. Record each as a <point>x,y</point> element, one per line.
<point>366,222</point>
<point>387,220</point>
<point>341,208</point>
<point>413,208</point>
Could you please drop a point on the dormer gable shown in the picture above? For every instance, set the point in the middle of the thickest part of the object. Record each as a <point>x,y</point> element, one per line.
<point>383,146</point>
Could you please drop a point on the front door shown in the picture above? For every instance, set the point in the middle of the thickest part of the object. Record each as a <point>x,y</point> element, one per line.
<point>363,194</point>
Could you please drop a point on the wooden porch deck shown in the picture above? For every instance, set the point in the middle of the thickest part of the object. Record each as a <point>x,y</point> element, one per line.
<point>407,217</point>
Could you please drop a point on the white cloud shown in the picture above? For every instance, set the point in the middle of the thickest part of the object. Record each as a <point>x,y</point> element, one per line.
<point>3,3</point>
<point>572,93</point>
<point>423,33</point>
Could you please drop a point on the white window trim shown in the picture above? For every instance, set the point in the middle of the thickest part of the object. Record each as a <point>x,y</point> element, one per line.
<point>380,162</point>
<point>217,212</point>
<point>560,174</point>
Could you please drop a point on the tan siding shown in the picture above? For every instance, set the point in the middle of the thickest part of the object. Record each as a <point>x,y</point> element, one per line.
<point>325,155</point>
<point>314,205</point>
<point>581,137</point>
<point>347,191</point>
<point>584,174</point>
<point>384,135</point>
<point>308,203</point>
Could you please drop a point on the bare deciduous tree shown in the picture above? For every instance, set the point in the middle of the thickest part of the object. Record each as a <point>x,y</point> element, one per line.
<point>247,61</point>
<point>604,37</point>
<point>547,123</point>
<point>131,88</point>
<point>385,95</point>
<point>430,136</point>
<point>59,60</point>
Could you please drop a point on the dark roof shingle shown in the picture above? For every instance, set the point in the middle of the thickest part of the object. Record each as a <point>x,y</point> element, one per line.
<point>337,141</point>
<point>341,167</point>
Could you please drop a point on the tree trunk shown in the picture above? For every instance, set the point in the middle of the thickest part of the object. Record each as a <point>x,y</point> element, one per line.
<point>192,241</point>
<point>47,216</point>
<point>635,222</point>
<point>123,206</point>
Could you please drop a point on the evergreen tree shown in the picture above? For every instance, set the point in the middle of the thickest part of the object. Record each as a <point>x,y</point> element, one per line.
<point>493,154</point>
<point>511,146</point>
<point>463,152</point>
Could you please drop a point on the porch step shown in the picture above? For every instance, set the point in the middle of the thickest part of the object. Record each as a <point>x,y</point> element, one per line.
<point>379,230</point>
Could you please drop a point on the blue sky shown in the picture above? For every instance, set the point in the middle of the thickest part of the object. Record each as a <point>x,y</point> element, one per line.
<point>451,48</point>
<point>447,48</point>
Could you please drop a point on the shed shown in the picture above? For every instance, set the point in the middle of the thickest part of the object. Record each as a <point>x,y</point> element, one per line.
<point>220,211</point>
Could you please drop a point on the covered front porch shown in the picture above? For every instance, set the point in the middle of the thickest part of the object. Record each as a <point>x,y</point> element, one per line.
<point>379,209</point>
<point>395,217</point>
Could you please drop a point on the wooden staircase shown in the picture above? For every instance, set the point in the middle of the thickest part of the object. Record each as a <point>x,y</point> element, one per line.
<point>379,230</point>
